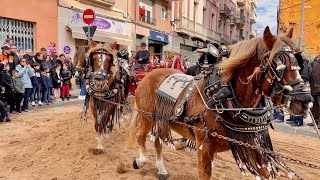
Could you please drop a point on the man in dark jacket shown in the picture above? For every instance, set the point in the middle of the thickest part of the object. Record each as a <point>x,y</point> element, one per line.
<point>142,57</point>
<point>15,55</point>
<point>315,89</point>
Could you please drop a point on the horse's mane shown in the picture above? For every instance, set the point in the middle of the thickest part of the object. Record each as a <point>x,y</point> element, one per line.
<point>242,52</point>
<point>80,56</point>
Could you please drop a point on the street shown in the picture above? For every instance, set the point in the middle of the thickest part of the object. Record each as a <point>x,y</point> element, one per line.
<point>53,143</point>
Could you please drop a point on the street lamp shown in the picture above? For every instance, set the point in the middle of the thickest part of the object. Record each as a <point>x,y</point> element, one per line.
<point>301,24</point>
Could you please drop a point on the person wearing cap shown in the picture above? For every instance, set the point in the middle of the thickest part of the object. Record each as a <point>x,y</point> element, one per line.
<point>6,56</point>
<point>142,57</point>
<point>210,53</point>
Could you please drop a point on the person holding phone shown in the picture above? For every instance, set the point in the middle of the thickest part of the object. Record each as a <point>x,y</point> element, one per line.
<point>25,72</point>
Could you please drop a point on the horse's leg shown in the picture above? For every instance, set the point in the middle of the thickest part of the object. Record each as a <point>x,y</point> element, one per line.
<point>143,128</point>
<point>97,126</point>
<point>162,172</point>
<point>205,153</point>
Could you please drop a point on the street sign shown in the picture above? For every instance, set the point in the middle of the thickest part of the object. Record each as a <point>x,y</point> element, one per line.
<point>92,30</point>
<point>88,16</point>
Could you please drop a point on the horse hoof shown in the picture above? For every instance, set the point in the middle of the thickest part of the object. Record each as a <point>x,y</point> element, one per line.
<point>135,165</point>
<point>163,176</point>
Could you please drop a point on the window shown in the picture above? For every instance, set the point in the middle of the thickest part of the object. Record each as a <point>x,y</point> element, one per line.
<point>213,21</point>
<point>21,32</point>
<point>164,13</point>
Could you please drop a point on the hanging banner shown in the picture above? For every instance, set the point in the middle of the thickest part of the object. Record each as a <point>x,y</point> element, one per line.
<point>102,23</point>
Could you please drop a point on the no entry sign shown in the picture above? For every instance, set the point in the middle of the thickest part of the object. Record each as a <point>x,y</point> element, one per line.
<point>88,16</point>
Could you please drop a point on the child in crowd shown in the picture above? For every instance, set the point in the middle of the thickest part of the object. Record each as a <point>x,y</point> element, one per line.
<point>36,83</point>
<point>56,81</point>
<point>66,76</point>
<point>18,90</point>
<point>46,81</point>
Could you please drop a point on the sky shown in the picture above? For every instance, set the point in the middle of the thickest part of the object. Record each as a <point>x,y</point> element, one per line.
<point>266,15</point>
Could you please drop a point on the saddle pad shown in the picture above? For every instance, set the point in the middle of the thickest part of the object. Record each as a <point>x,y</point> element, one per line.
<point>172,86</point>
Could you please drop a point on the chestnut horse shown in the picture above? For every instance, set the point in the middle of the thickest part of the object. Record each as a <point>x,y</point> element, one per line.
<point>106,80</point>
<point>252,71</point>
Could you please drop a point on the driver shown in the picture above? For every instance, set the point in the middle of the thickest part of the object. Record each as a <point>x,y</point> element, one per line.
<point>142,57</point>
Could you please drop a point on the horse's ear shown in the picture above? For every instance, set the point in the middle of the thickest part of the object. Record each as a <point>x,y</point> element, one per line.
<point>113,45</point>
<point>290,33</point>
<point>268,38</point>
<point>93,44</point>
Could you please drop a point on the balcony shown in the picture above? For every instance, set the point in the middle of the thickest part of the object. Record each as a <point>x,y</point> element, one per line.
<point>225,10</point>
<point>241,3</point>
<point>99,3</point>
<point>147,19</point>
<point>253,18</point>
<point>240,20</point>
<point>254,3</point>
<point>185,26</point>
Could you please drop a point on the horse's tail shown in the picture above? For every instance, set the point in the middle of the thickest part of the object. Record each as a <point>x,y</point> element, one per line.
<point>132,129</point>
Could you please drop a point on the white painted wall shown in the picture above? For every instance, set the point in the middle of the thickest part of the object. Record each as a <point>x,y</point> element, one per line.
<point>64,37</point>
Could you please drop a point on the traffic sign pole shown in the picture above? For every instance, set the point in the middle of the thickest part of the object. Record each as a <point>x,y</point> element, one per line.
<point>89,37</point>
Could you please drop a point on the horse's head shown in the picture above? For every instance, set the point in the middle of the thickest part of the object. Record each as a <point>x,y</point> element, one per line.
<point>104,67</point>
<point>280,73</point>
<point>80,61</point>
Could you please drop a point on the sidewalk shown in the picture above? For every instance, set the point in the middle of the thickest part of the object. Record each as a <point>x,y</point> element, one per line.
<point>303,130</point>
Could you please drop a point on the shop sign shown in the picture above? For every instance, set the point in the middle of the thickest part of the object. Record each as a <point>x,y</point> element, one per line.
<point>103,24</point>
<point>66,49</point>
<point>198,44</point>
<point>157,36</point>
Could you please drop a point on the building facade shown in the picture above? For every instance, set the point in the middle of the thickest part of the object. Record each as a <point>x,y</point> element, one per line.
<point>112,22</point>
<point>289,17</point>
<point>31,24</point>
<point>151,25</point>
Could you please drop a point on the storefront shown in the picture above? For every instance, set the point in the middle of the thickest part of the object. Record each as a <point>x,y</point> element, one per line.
<point>157,43</point>
<point>108,30</point>
<point>187,46</point>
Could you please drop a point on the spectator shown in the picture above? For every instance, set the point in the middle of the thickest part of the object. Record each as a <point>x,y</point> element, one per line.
<point>9,87</point>
<point>142,12</point>
<point>69,62</point>
<point>29,57</point>
<point>47,62</point>
<point>66,76</point>
<point>36,79</point>
<point>13,50</point>
<point>21,54</point>
<point>6,56</point>
<point>43,51</point>
<point>46,80</point>
<point>315,89</point>
<point>56,81</point>
<point>39,58</point>
<point>52,51</point>
<point>305,72</point>
<point>25,72</point>
<point>8,41</point>
<point>142,57</point>
<point>61,60</point>
<point>3,112</point>
<point>18,90</point>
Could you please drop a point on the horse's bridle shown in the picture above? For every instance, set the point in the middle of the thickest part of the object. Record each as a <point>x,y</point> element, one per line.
<point>294,89</point>
<point>100,73</point>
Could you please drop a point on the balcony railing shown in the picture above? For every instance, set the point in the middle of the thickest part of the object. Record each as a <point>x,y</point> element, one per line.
<point>185,24</point>
<point>241,2</point>
<point>148,20</point>
<point>241,20</point>
<point>253,17</point>
<point>225,10</point>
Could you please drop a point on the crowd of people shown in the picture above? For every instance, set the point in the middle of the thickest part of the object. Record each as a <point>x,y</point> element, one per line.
<point>39,79</point>
<point>309,73</point>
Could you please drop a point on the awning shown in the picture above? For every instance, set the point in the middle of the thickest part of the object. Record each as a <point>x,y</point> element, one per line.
<point>101,36</point>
